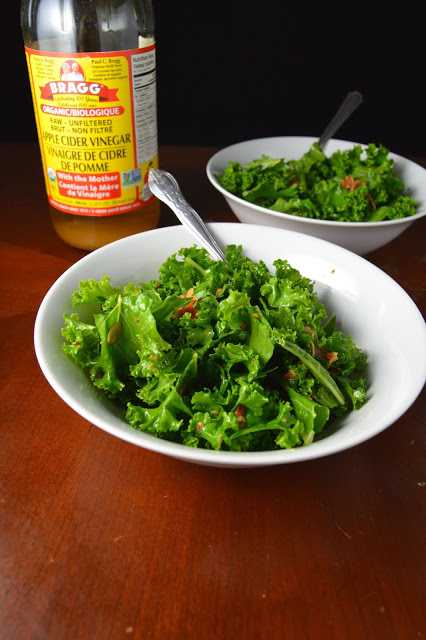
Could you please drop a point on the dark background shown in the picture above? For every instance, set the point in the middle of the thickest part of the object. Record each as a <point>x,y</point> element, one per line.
<point>229,71</point>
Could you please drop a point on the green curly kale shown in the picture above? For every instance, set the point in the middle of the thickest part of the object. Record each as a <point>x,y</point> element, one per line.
<point>219,356</point>
<point>349,186</point>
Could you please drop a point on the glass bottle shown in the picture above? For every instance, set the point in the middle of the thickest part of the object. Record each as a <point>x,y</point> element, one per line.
<point>92,73</point>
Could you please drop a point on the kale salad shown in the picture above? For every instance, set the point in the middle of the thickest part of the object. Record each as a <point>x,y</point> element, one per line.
<point>356,185</point>
<point>224,356</point>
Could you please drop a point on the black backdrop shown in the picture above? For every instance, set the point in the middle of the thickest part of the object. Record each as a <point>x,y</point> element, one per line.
<point>229,71</point>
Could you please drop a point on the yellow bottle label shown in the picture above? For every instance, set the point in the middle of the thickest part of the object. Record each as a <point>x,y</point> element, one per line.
<point>96,118</point>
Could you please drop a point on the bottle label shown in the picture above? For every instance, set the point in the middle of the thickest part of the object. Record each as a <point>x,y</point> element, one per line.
<point>96,118</point>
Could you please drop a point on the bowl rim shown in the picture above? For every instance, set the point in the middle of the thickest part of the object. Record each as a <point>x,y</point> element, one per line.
<point>287,216</point>
<point>319,449</point>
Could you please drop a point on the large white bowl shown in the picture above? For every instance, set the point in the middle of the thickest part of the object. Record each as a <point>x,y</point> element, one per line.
<point>360,237</point>
<point>369,305</point>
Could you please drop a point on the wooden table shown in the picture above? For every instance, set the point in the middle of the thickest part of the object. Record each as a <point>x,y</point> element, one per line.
<point>100,539</point>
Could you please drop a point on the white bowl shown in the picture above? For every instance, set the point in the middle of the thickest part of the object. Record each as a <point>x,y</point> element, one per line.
<point>360,237</point>
<point>369,306</point>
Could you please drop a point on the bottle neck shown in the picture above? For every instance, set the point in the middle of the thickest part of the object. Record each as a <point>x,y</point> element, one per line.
<point>87,25</point>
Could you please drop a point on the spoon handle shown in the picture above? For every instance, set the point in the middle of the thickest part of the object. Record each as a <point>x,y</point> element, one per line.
<point>348,106</point>
<point>165,187</point>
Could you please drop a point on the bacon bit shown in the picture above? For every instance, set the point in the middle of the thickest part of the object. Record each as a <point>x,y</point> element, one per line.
<point>219,291</point>
<point>319,352</point>
<point>190,293</point>
<point>371,202</point>
<point>76,344</point>
<point>193,311</point>
<point>239,410</point>
<point>332,356</point>
<point>256,315</point>
<point>189,308</point>
<point>158,285</point>
<point>290,375</point>
<point>348,183</point>
<point>199,427</point>
<point>137,320</point>
<point>153,356</point>
<point>351,184</point>
<point>293,181</point>
<point>242,325</point>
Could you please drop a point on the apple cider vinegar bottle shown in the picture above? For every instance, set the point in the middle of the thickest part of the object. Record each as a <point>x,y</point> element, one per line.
<point>92,72</point>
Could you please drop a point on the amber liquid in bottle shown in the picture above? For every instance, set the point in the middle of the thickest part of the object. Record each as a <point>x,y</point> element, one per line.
<point>77,26</point>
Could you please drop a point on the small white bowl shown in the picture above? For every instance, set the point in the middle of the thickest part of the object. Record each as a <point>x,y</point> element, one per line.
<point>359,237</point>
<point>369,306</point>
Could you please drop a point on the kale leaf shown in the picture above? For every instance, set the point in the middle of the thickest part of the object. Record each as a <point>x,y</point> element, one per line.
<point>223,356</point>
<point>355,185</point>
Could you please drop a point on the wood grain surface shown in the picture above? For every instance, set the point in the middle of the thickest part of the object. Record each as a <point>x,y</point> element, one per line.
<point>102,540</point>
